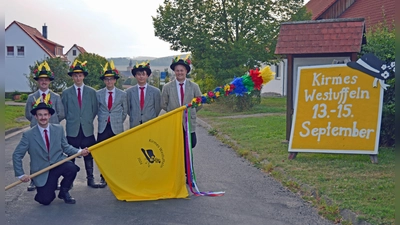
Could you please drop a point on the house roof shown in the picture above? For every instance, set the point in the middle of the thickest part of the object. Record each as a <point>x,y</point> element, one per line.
<point>317,7</point>
<point>36,37</point>
<point>81,49</point>
<point>321,36</point>
<point>372,11</point>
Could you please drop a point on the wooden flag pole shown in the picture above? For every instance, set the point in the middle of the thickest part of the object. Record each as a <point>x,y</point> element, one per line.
<point>44,170</point>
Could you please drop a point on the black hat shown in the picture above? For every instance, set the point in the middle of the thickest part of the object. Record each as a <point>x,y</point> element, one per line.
<point>113,72</point>
<point>75,68</point>
<point>42,104</point>
<point>371,65</point>
<point>43,71</point>
<point>184,62</point>
<point>144,66</point>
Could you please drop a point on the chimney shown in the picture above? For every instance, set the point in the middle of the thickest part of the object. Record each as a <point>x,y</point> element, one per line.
<point>44,31</point>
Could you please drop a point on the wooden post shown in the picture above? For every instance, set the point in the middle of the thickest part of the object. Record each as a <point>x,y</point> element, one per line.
<point>374,159</point>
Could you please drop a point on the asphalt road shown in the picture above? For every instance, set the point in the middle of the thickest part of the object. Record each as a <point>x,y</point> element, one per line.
<point>252,197</point>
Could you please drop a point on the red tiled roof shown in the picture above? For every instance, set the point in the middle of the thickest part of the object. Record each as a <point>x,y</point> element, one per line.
<point>371,11</point>
<point>321,36</point>
<point>317,7</point>
<point>36,37</point>
<point>81,49</point>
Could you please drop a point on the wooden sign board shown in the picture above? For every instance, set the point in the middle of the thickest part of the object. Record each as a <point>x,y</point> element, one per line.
<point>337,110</point>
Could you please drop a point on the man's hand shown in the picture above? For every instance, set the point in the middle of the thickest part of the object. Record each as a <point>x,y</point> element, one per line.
<point>25,178</point>
<point>85,152</point>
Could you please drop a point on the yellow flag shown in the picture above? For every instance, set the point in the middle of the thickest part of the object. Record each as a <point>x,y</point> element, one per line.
<point>145,162</point>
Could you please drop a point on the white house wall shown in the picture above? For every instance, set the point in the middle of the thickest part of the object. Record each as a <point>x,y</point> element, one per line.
<point>17,66</point>
<point>312,61</point>
<point>71,57</point>
<point>278,84</point>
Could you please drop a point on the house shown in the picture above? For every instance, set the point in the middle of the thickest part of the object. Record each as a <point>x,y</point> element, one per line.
<point>372,11</point>
<point>74,52</point>
<point>24,46</point>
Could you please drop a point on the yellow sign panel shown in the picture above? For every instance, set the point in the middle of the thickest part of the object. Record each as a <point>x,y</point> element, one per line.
<point>337,110</point>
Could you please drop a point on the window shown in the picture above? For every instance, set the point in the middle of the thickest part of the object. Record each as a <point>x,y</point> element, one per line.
<point>277,74</point>
<point>10,50</point>
<point>20,51</point>
<point>74,52</point>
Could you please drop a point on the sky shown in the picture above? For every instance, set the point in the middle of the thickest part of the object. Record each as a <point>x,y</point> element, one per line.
<point>116,28</point>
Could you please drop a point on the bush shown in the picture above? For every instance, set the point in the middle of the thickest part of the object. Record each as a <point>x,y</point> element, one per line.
<point>381,42</point>
<point>24,97</point>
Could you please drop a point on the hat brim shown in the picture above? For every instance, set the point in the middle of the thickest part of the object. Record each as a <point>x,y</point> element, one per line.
<point>358,67</point>
<point>134,70</point>
<point>51,110</point>
<point>104,76</point>
<point>172,66</point>
<point>78,71</point>
<point>37,78</point>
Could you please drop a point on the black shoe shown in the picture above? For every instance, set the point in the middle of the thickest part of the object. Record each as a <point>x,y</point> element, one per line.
<point>66,196</point>
<point>103,183</point>
<point>91,183</point>
<point>31,186</point>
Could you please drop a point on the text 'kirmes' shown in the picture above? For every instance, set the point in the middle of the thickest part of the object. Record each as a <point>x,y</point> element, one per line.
<point>341,96</point>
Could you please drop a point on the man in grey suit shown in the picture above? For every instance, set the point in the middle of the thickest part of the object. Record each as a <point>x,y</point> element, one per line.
<point>46,145</point>
<point>81,107</point>
<point>179,92</point>
<point>113,107</point>
<point>144,100</point>
<point>43,75</point>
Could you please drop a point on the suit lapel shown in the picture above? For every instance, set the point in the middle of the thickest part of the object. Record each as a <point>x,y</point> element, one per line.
<point>117,97</point>
<point>175,91</point>
<point>136,95</point>
<point>74,97</point>
<point>53,136</point>
<point>39,139</point>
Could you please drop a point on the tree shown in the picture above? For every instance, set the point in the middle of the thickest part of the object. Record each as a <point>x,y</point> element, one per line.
<point>95,65</point>
<point>225,37</point>
<point>381,41</point>
<point>61,78</point>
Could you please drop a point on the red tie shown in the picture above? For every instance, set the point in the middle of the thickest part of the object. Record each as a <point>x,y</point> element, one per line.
<point>79,98</point>
<point>182,94</point>
<point>141,98</point>
<point>44,96</point>
<point>46,137</point>
<point>109,103</point>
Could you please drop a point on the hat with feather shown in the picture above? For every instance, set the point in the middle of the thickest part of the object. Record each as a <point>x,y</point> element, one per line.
<point>144,66</point>
<point>184,62</point>
<point>43,71</point>
<point>109,70</point>
<point>78,67</point>
<point>41,103</point>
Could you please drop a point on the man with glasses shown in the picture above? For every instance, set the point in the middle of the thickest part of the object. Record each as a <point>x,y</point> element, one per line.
<point>144,100</point>
<point>113,107</point>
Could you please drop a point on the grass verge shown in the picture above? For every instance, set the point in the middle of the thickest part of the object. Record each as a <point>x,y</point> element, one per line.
<point>12,113</point>
<point>331,182</point>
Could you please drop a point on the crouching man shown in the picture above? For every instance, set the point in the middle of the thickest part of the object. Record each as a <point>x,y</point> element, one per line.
<point>46,144</point>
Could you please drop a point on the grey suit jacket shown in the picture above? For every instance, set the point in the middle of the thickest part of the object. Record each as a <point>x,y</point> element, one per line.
<point>170,99</point>
<point>58,107</point>
<point>117,113</point>
<point>76,116</point>
<point>33,143</point>
<point>151,108</point>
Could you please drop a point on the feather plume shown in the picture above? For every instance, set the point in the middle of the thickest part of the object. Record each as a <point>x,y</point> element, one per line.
<point>47,98</point>
<point>46,65</point>
<point>105,67</point>
<point>112,66</point>
<point>267,74</point>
